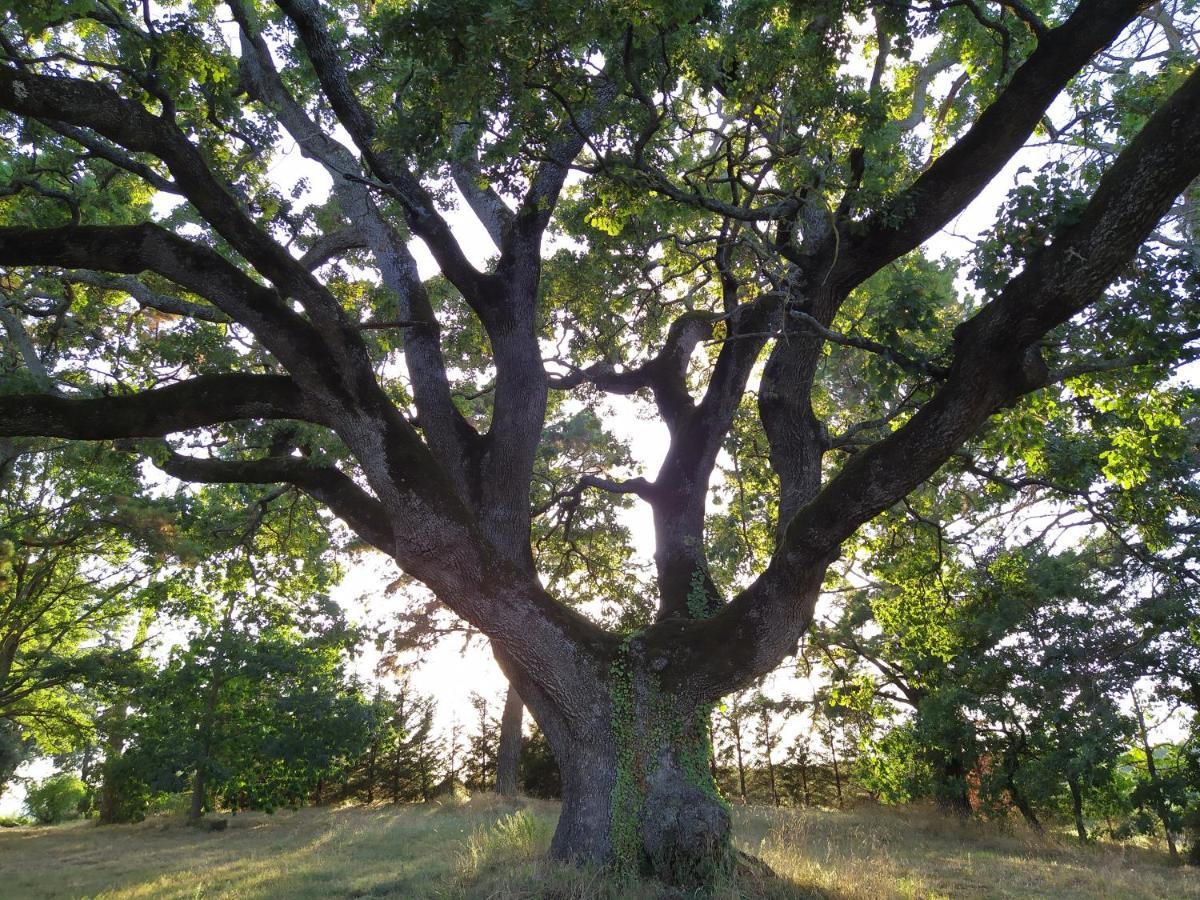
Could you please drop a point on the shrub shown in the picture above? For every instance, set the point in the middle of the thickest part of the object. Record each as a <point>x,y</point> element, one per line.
<point>58,798</point>
<point>169,804</point>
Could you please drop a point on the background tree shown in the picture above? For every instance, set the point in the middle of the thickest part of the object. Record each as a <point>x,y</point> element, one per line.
<point>479,769</point>
<point>412,763</point>
<point>87,552</point>
<point>732,738</point>
<point>256,707</point>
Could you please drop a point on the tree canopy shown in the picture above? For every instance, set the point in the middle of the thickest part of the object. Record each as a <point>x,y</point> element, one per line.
<point>720,209</point>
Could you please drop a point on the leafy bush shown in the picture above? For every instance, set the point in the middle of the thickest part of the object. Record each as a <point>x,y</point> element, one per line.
<point>58,798</point>
<point>13,821</point>
<point>168,804</point>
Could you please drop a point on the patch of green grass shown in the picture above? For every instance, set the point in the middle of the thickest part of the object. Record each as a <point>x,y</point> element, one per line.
<point>496,848</point>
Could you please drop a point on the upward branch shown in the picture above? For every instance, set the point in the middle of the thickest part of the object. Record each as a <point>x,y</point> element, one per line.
<point>98,107</point>
<point>957,176</point>
<point>995,363</point>
<point>422,214</point>
<point>448,433</point>
<point>843,256</point>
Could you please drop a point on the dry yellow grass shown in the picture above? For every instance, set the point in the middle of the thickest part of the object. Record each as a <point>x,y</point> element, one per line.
<point>495,848</point>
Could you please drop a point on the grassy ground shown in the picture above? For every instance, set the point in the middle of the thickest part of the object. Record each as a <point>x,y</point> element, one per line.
<point>494,848</point>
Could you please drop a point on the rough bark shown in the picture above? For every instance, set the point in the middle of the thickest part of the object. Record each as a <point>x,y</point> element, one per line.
<point>199,790</point>
<point>1022,804</point>
<point>1009,762</point>
<point>508,757</point>
<point>638,789</point>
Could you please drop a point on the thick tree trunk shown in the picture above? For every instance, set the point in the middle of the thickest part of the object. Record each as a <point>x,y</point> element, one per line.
<point>638,791</point>
<point>107,805</point>
<point>508,758</point>
<point>953,791</point>
<point>1009,768</point>
<point>1022,804</point>
<point>196,810</point>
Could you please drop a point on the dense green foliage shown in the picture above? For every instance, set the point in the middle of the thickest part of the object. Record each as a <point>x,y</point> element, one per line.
<point>57,799</point>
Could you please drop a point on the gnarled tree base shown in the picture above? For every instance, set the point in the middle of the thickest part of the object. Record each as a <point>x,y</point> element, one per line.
<point>638,795</point>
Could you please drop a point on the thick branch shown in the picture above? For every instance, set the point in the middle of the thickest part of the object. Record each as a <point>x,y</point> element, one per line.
<point>489,207</point>
<point>664,374</point>
<point>132,249</point>
<point>423,217</point>
<point>945,188</point>
<point>846,256</point>
<point>697,434</point>
<point>330,486</point>
<point>921,93</point>
<point>330,246</point>
<point>996,362</point>
<point>547,183</point>
<point>204,400</point>
<point>96,106</point>
<point>447,431</point>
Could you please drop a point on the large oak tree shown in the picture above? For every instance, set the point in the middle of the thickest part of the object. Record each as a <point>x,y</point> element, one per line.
<point>747,173</point>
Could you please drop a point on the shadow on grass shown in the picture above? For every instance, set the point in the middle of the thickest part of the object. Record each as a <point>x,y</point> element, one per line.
<point>496,848</point>
<point>884,852</point>
<point>401,851</point>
